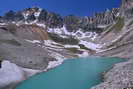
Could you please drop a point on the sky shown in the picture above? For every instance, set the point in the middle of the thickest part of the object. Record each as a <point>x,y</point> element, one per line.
<point>62,7</point>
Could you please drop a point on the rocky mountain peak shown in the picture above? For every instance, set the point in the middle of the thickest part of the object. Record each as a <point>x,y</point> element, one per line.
<point>53,20</point>
<point>127,8</point>
<point>32,13</point>
<point>127,4</point>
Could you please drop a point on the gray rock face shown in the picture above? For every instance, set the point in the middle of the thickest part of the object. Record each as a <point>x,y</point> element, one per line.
<point>118,43</point>
<point>127,8</point>
<point>86,23</point>
<point>23,53</point>
<point>107,17</point>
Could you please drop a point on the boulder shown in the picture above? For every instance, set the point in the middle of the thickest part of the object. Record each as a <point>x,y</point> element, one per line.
<point>10,75</point>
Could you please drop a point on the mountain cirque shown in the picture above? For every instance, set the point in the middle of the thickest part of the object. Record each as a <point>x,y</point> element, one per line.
<point>34,38</point>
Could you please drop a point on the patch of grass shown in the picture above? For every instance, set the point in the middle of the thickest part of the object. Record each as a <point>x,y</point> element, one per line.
<point>12,28</point>
<point>112,45</point>
<point>58,39</point>
<point>12,42</point>
<point>116,27</point>
<point>83,47</point>
<point>107,27</point>
<point>119,25</point>
<point>1,58</point>
<point>73,50</point>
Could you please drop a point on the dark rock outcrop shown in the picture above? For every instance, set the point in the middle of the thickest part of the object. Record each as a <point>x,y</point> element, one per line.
<point>43,16</point>
<point>31,18</point>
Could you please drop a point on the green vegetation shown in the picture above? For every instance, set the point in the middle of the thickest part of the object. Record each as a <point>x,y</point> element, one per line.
<point>107,27</point>
<point>117,26</point>
<point>58,39</point>
<point>1,58</point>
<point>83,47</point>
<point>73,50</point>
<point>12,42</point>
<point>112,45</point>
<point>12,28</point>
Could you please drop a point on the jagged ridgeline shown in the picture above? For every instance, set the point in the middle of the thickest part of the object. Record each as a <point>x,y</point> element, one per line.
<point>127,8</point>
<point>53,20</point>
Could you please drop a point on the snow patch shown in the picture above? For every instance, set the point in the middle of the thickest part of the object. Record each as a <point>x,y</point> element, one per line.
<point>41,25</point>
<point>25,14</point>
<point>10,73</point>
<point>72,46</point>
<point>102,26</point>
<point>37,14</point>
<point>91,45</point>
<point>30,72</point>
<point>63,32</point>
<point>34,41</point>
<point>55,30</point>
<point>3,24</point>
<point>51,44</point>
<point>53,64</point>
<point>84,54</point>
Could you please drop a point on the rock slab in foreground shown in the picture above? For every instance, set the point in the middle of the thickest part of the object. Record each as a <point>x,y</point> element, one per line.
<point>10,75</point>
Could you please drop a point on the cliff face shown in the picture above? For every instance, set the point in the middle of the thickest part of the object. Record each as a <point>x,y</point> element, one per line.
<point>32,32</point>
<point>17,50</point>
<point>127,8</point>
<point>117,40</point>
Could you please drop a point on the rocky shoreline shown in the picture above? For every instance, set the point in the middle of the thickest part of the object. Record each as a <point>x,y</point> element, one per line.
<point>11,69</point>
<point>119,77</point>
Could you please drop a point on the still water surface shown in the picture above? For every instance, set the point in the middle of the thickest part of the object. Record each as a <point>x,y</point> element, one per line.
<point>82,73</point>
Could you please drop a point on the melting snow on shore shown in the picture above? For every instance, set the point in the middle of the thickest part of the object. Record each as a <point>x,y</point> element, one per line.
<point>91,45</point>
<point>59,60</point>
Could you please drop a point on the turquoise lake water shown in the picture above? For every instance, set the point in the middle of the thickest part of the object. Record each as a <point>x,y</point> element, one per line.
<point>82,73</point>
